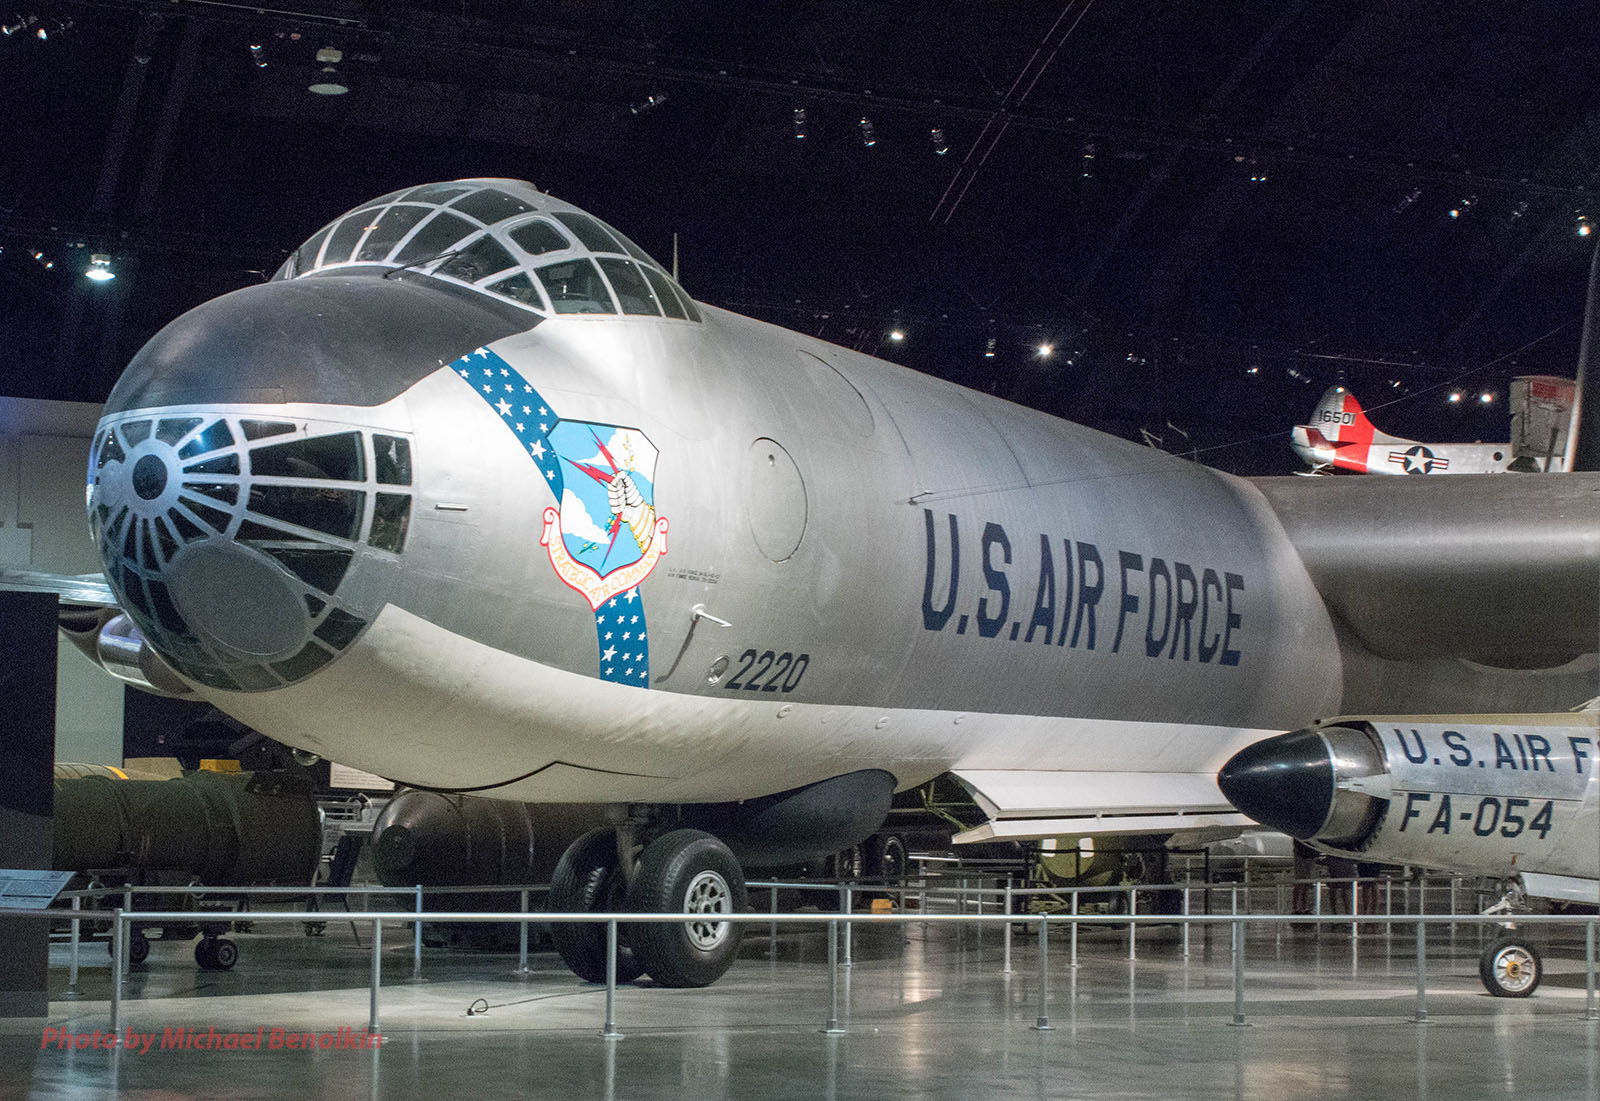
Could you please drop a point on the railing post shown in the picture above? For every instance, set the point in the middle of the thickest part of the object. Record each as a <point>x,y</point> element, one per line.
<point>1589,1012</point>
<point>1042,1023</point>
<point>72,969</point>
<point>1133,926</point>
<point>522,937</point>
<point>1316,901</point>
<point>1355,906</point>
<point>1422,974</point>
<point>119,948</point>
<point>1006,970</point>
<point>1073,962</point>
<point>849,961</point>
<point>1186,923</point>
<point>832,1028</point>
<point>416,939</point>
<point>125,965</point>
<point>1238,972</point>
<point>609,1031</point>
<point>377,974</point>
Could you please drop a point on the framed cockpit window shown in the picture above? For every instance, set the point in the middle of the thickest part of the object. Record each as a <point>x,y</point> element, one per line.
<point>575,286</point>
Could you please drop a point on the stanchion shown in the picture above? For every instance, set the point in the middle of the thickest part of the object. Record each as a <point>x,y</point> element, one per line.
<point>1006,970</point>
<point>832,1027</point>
<point>72,968</point>
<point>610,1032</point>
<point>1042,1022</point>
<point>848,903</point>
<point>1133,926</point>
<point>377,974</point>
<point>1186,924</point>
<point>1238,974</point>
<point>416,939</point>
<point>119,948</point>
<point>1074,957</point>
<point>126,961</point>
<point>522,937</point>
<point>1355,907</point>
<point>1422,974</point>
<point>1588,978</point>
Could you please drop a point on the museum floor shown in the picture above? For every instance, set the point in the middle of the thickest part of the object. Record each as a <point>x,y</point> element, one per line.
<point>926,1009</point>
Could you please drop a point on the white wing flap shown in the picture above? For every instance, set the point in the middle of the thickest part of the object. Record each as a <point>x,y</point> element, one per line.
<point>1036,803</point>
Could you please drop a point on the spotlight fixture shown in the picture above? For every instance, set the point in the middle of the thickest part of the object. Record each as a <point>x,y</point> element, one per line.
<point>1045,350</point>
<point>1407,199</point>
<point>988,348</point>
<point>1455,397</point>
<point>1252,370</point>
<point>897,335</point>
<point>1088,160</point>
<point>869,136</point>
<point>18,24</point>
<point>99,269</point>
<point>1585,227</point>
<point>1487,397</point>
<point>329,83</point>
<point>54,26</point>
<point>42,260</point>
<point>1462,207</point>
<point>648,103</point>
<point>259,55</point>
<point>799,124</point>
<point>939,146</point>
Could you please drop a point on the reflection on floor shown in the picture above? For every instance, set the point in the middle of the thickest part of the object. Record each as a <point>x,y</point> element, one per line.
<point>926,1009</point>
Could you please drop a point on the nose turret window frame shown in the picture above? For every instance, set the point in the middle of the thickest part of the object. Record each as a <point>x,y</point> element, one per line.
<point>497,242</point>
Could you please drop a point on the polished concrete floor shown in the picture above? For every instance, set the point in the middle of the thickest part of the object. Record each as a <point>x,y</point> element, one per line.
<point>926,1010</point>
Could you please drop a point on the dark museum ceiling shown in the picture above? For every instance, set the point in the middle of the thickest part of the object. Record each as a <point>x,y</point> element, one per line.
<point>1210,211</point>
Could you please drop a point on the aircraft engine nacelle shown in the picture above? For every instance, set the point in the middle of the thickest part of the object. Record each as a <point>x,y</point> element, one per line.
<point>1480,795</point>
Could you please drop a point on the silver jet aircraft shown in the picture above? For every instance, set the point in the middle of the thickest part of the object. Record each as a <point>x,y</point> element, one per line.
<point>1493,795</point>
<point>471,494</point>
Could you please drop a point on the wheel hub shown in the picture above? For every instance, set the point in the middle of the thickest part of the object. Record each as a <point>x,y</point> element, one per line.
<point>708,893</point>
<point>1514,968</point>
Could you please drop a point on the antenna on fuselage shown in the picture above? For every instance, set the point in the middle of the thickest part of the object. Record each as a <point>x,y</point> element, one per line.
<point>674,257</point>
<point>1583,433</point>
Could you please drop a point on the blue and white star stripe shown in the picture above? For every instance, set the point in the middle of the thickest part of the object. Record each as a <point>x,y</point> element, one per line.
<point>619,623</point>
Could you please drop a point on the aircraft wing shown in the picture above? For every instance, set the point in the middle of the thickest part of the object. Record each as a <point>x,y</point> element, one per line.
<point>1023,804</point>
<point>1498,569</point>
<point>88,588</point>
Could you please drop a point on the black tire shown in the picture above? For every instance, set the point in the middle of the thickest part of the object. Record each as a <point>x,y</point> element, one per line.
<point>205,954</point>
<point>138,947</point>
<point>887,859</point>
<point>688,871</point>
<point>1510,968</point>
<point>588,879</point>
<point>224,954</point>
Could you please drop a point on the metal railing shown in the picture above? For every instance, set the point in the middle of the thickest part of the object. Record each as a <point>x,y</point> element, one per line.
<point>123,919</point>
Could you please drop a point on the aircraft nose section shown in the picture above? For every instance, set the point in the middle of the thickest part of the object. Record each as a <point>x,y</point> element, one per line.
<point>329,340</point>
<point>1284,782</point>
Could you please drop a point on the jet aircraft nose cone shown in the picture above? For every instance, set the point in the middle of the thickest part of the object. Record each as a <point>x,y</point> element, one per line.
<point>1284,782</point>
<point>350,340</point>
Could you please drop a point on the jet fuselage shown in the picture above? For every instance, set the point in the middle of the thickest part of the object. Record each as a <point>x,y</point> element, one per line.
<point>388,514</point>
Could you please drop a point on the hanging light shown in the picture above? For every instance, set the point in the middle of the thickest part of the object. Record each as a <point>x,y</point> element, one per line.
<point>1584,226</point>
<point>799,124</point>
<point>99,269</point>
<point>1045,350</point>
<point>329,83</point>
<point>259,55</point>
<point>988,348</point>
<point>869,136</point>
<point>42,260</point>
<point>940,148</point>
<point>648,103</point>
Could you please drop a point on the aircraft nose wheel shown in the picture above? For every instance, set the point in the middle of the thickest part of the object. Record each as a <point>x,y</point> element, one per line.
<point>1510,968</point>
<point>687,871</point>
<point>216,954</point>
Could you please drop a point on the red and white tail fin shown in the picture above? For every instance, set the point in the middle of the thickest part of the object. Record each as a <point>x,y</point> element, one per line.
<point>1339,418</point>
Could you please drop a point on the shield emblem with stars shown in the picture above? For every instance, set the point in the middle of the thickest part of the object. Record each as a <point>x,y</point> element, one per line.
<point>605,537</point>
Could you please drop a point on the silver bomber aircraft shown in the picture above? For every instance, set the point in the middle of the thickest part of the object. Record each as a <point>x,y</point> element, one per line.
<point>472,495</point>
